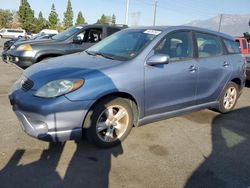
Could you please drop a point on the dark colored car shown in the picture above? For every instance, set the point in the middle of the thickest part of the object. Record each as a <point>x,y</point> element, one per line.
<point>248,67</point>
<point>9,43</point>
<point>74,39</point>
<point>135,76</point>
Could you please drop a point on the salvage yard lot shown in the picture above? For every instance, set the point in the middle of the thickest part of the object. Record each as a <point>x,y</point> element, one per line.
<point>200,149</point>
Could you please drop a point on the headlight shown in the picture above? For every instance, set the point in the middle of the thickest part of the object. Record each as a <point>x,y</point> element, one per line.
<point>12,47</point>
<point>59,87</point>
<point>24,47</point>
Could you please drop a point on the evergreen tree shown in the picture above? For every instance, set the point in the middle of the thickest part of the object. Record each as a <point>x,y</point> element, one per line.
<point>26,16</point>
<point>113,19</point>
<point>103,20</point>
<point>68,16</point>
<point>41,22</point>
<point>5,17</point>
<point>80,19</point>
<point>53,18</point>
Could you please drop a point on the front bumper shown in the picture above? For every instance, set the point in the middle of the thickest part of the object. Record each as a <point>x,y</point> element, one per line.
<point>4,56</point>
<point>22,59</point>
<point>57,119</point>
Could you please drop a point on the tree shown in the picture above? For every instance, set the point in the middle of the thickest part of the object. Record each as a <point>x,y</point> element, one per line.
<point>80,19</point>
<point>41,22</point>
<point>26,16</point>
<point>53,18</point>
<point>103,20</point>
<point>68,16</point>
<point>5,18</point>
<point>113,19</point>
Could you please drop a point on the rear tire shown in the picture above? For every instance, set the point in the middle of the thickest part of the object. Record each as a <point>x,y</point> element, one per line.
<point>229,98</point>
<point>110,122</point>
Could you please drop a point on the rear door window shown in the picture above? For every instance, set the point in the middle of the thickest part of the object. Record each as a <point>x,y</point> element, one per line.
<point>232,46</point>
<point>208,45</point>
<point>178,46</point>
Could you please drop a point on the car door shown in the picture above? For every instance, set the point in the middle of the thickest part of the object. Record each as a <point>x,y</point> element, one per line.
<point>171,86</point>
<point>214,67</point>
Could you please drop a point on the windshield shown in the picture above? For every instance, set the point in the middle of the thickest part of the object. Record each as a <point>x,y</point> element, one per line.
<point>124,45</point>
<point>67,33</point>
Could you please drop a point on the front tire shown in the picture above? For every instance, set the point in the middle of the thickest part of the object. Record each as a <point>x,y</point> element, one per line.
<point>228,98</point>
<point>110,122</point>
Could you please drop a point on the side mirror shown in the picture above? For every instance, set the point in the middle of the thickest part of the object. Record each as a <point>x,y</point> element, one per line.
<point>158,59</point>
<point>77,40</point>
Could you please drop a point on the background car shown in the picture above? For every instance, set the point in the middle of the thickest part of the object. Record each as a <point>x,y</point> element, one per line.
<point>12,33</point>
<point>248,68</point>
<point>74,39</point>
<point>45,32</point>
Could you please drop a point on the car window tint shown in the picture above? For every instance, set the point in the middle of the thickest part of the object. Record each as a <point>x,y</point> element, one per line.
<point>93,35</point>
<point>208,45</point>
<point>178,46</point>
<point>232,46</point>
<point>111,30</point>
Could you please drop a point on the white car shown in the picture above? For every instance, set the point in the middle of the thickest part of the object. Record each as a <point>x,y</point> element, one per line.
<point>45,32</point>
<point>12,33</point>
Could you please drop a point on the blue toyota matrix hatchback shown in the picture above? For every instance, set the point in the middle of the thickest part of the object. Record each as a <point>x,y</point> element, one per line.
<point>133,77</point>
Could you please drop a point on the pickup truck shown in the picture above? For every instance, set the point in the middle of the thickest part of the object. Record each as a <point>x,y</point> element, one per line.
<point>74,39</point>
<point>245,51</point>
<point>243,44</point>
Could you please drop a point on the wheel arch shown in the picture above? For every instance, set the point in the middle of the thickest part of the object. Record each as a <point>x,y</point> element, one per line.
<point>134,104</point>
<point>237,81</point>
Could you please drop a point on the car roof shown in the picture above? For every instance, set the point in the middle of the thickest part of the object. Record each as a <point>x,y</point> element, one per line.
<point>173,28</point>
<point>103,25</point>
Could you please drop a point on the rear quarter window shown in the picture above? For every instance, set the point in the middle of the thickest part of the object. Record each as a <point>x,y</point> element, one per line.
<point>232,46</point>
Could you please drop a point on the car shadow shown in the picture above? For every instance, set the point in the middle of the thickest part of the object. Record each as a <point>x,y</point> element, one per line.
<point>247,83</point>
<point>228,165</point>
<point>89,167</point>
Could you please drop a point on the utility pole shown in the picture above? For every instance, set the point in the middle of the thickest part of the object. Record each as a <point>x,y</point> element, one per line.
<point>126,13</point>
<point>155,12</point>
<point>221,16</point>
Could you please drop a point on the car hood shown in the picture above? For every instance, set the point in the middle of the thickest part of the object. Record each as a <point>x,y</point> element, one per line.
<point>69,66</point>
<point>34,42</point>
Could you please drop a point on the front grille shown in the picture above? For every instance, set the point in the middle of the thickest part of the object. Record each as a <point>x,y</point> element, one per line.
<point>27,84</point>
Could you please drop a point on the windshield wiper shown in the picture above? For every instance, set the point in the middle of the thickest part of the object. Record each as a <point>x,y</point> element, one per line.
<point>104,55</point>
<point>100,54</point>
<point>90,53</point>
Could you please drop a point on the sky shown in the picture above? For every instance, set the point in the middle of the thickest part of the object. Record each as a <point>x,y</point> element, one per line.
<point>169,12</point>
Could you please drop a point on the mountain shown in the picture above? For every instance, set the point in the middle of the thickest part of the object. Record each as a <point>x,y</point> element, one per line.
<point>234,25</point>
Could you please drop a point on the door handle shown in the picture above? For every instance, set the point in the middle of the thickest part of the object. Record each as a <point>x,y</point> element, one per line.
<point>226,64</point>
<point>192,68</point>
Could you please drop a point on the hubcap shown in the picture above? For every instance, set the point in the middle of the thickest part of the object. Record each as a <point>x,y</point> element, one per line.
<point>112,123</point>
<point>230,98</point>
